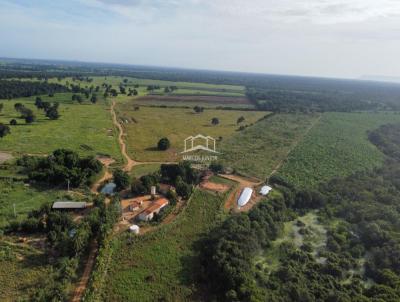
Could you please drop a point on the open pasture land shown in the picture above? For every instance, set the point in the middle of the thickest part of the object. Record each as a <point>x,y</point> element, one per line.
<point>259,149</point>
<point>22,267</point>
<point>160,266</point>
<point>193,100</point>
<point>146,126</point>
<point>336,147</point>
<point>86,128</point>
<point>145,169</point>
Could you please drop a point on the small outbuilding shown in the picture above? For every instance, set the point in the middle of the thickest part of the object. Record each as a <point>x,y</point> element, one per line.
<point>265,190</point>
<point>69,205</point>
<point>134,229</point>
<point>244,197</point>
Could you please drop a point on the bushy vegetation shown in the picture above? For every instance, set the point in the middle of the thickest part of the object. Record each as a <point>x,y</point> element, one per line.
<point>10,89</point>
<point>360,259</point>
<point>60,167</point>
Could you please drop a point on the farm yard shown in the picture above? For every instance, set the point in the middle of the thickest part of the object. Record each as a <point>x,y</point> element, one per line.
<point>161,265</point>
<point>147,125</point>
<point>160,261</point>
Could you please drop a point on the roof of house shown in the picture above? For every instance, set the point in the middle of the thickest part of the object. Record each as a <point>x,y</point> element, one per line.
<point>244,196</point>
<point>158,204</point>
<point>69,205</point>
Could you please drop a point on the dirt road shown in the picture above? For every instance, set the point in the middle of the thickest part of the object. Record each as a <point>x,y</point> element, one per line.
<point>130,163</point>
<point>80,289</point>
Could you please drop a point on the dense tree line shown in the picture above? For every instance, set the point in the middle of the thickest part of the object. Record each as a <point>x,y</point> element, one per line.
<point>286,100</point>
<point>61,166</point>
<point>10,89</point>
<point>362,217</point>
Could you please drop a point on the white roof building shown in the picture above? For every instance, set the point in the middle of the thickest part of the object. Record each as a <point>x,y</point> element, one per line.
<point>134,229</point>
<point>244,197</point>
<point>265,190</point>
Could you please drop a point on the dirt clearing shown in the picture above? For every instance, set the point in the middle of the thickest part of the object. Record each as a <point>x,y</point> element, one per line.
<point>5,157</point>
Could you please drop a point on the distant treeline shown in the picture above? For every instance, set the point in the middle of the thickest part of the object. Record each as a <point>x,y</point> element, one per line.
<point>10,89</point>
<point>269,92</point>
<point>314,101</point>
<point>361,259</point>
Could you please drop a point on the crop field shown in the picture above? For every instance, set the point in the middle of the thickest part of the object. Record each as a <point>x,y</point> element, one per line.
<point>338,146</point>
<point>160,266</point>
<point>147,125</point>
<point>259,149</point>
<point>85,128</point>
<point>24,197</point>
<point>22,267</point>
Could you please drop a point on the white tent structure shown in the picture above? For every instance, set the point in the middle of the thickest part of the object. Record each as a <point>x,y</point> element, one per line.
<point>265,190</point>
<point>134,229</point>
<point>244,197</point>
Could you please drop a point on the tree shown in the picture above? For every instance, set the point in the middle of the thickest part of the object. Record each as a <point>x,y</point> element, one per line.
<point>93,99</point>
<point>198,109</point>
<point>13,122</point>
<point>121,179</point>
<point>18,107</point>
<point>4,130</point>
<point>52,113</point>
<point>214,121</point>
<point>135,92</point>
<point>137,187</point>
<point>163,144</point>
<point>167,90</point>
<point>30,118</point>
<point>240,120</point>
<point>39,103</point>
<point>1,107</point>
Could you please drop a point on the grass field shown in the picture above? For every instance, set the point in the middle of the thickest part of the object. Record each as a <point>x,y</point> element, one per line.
<point>85,128</point>
<point>189,87</point>
<point>22,267</point>
<point>25,198</point>
<point>160,266</point>
<point>337,146</point>
<point>141,170</point>
<point>257,150</point>
<point>176,124</point>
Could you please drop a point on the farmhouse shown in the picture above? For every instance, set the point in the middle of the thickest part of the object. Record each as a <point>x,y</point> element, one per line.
<point>154,208</point>
<point>265,190</point>
<point>69,205</point>
<point>244,197</point>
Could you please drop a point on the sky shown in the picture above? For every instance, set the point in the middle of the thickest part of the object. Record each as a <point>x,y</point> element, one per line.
<point>330,38</point>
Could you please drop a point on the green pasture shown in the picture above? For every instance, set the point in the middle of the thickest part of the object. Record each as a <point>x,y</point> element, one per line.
<point>86,128</point>
<point>146,126</point>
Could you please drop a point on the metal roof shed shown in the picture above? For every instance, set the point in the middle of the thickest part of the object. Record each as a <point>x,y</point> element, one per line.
<point>69,205</point>
<point>245,196</point>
